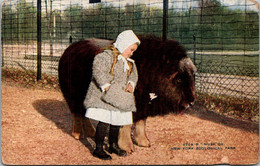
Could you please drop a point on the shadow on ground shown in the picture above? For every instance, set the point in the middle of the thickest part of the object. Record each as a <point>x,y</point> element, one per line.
<point>202,112</point>
<point>58,112</point>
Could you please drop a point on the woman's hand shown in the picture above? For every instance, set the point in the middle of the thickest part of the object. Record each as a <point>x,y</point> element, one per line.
<point>129,88</point>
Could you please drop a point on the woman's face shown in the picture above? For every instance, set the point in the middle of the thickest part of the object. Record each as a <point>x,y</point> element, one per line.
<point>129,51</point>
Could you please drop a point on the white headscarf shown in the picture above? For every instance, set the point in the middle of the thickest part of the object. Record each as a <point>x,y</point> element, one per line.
<point>125,39</point>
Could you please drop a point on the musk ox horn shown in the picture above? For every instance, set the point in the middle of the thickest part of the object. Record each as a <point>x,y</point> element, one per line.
<point>187,64</point>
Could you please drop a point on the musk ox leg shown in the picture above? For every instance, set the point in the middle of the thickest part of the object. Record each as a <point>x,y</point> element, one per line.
<point>140,134</point>
<point>89,129</point>
<point>82,127</point>
<point>125,141</point>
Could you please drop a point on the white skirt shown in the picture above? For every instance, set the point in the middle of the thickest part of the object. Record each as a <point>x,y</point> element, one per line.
<point>117,118</point>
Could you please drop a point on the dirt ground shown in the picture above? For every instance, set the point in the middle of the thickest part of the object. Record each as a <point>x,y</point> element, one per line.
<point>36,130</point>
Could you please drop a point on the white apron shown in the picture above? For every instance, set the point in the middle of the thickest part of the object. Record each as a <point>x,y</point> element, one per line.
<point>117,118</point>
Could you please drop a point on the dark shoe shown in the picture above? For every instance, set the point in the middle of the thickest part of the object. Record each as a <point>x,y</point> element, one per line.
<point>99,139</point>
<point>101,154</point>
<point>113,141</point>
<point>114,148</point>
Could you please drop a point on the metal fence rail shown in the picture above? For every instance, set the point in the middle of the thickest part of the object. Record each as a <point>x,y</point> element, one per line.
<point>221,37</point>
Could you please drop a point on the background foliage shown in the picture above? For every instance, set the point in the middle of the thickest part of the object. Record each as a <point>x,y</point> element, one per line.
<point>215,26</point>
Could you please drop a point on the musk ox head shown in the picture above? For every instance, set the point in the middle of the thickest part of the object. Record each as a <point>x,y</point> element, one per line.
<point>165,72</point>
<point>183,80</point>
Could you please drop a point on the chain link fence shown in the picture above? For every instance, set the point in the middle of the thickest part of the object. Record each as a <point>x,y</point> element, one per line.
<point>221,37</point>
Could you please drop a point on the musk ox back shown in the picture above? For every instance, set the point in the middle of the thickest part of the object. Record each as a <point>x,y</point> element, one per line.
<point>165,84</point>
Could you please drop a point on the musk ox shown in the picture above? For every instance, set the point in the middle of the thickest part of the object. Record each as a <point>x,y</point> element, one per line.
<point>165,85</point>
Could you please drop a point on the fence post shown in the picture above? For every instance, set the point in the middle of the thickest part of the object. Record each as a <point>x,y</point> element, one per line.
<point>70,39</point>
<point>194,53</point>
<point>165,19</point>
<point>2,45</point>
<point>39,40</point>
<point>194,49</point>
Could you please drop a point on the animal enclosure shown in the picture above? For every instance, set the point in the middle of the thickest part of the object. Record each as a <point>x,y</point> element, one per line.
<point>222,38</point>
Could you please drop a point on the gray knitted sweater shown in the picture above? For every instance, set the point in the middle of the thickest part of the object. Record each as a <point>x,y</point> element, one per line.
<point>115,98</point>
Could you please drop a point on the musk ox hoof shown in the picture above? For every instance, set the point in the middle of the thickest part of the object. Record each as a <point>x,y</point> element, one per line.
<point>125,141</point>
<point>127,146</point>
<point>76,135</point>
<point>142,141</point>
<point>82,128</point>
<point>140,137</point>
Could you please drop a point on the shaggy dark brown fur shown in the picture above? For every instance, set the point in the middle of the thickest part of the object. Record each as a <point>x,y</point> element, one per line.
<point>156,62</point>
<point>75,71</point>
<point>163,68</point>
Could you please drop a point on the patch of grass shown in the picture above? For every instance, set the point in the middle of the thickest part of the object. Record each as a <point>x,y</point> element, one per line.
<point>240,108</point>
<point>28,78</point>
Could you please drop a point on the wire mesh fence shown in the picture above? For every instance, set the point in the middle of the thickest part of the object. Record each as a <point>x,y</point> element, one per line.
<point>221,37</point>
